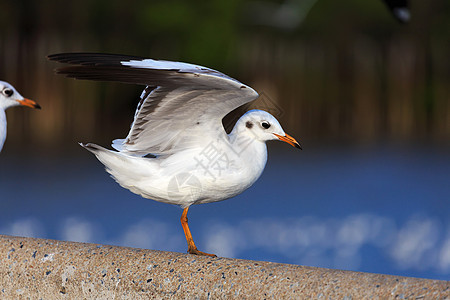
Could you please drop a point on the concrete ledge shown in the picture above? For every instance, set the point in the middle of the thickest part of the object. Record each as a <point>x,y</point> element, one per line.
<point>49,269</point>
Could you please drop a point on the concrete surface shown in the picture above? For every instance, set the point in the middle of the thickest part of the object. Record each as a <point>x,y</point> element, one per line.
<point>48,269</point>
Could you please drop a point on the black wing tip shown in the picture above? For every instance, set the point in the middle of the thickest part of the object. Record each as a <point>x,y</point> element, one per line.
<point>67,57</point>
<point>91,58</point>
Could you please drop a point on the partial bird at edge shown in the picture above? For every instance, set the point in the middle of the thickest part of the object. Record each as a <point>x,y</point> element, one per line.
<point>10,97</point>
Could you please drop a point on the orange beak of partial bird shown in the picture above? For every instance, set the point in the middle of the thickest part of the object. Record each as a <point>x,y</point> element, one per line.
<point>29,103</point>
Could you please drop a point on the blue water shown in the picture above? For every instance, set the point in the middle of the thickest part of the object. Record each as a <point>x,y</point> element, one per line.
<point>382,209</point>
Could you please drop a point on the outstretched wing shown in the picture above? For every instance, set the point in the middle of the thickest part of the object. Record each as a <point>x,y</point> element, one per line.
<point>182,105</point>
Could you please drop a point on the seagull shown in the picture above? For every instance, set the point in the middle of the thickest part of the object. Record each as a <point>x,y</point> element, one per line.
<point>177,150</point>
<point>9,97</point>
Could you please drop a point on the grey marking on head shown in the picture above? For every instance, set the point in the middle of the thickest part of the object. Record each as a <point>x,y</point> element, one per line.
<point>249,124</point>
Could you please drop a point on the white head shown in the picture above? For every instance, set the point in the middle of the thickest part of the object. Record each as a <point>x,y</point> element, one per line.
<point>9,97</point>
<point>262,126</point>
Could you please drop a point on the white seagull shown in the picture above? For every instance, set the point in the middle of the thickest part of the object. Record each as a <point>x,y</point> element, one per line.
<point>177,150</point>
<point>9,97</point>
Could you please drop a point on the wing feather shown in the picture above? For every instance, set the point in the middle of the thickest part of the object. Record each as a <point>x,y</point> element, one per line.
<point>181,104</point>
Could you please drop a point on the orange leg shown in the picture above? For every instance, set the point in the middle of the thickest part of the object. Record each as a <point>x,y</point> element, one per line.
<point>192,249</point>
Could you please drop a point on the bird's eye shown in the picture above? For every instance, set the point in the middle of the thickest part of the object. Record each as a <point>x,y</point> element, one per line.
<point>266,125</point>
<point>8,92</point>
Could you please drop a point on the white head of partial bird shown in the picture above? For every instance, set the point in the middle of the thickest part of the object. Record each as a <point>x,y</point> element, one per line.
<point>262,126</point>
<point>9,97</point>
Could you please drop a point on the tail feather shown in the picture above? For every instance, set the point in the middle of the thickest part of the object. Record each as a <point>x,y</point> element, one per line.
<point>118,144</point>
<point>125,169</point>
<point>92,147</point>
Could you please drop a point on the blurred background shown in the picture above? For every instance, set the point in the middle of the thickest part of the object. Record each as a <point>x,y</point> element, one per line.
<point>366,95</point>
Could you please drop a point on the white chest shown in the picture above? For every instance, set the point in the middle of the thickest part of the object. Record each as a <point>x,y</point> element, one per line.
<point>2,128</point>
<point>230,171</point>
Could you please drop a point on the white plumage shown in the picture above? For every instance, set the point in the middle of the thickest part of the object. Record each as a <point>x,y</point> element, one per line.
<point>177,150</point>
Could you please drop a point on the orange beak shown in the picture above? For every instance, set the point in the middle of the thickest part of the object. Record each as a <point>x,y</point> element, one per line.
<point>289,139</point>
<point>29,103</point>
